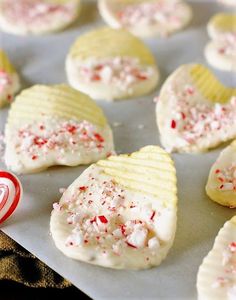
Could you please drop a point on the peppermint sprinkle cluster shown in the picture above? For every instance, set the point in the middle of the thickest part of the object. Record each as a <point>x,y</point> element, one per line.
<point>228,278</point>
<point>123,72</point>
<point>111,231</point>
<point>54,135</point>
<point>164,12</point>
<point>227,178</point>
<point>5,85</point>
<point>32,11</point>
<point>198,120</point>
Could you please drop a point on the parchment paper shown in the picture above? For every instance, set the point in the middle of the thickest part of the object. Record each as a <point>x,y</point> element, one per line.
<point>41,60</point>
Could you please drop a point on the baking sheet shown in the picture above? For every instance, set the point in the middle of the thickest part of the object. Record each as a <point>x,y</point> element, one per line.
<point>41,60</point>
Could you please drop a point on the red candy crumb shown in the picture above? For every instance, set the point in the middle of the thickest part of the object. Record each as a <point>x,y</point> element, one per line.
<point>122,228</point>
<point>72,129</point>
<point>130,245</point>
<point>103,219</point>
<point>141,77</point>
<point>9,98</point>
<point>232,247</point>
<point>83,188</point>
<point>99,137</point>
<point>93,220</point>
<point>173,124</point>
<point>222,51</point>
<point>190,90</point>
<point>96,77</point>
<point>39,141</point>
<point>153,215</point>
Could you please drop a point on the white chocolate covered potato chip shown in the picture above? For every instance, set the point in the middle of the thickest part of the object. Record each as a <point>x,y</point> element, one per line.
<point>216,276</point>
<point>221,185</point>
<point>9,80</point>
<point>120,213</point>
<point>146,18</point>
<point>55,125</point>
<point>221,51</point>
<point>111,64</point>
<point>195,112</point>
<point>231,3</point>
<point>25,17</point>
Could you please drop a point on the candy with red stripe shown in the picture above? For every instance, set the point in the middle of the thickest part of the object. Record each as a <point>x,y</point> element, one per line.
<point>10,194</point>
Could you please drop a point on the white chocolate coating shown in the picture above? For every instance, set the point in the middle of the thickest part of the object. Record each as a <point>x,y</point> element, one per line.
<point>231,3</point>
<point>23,17</point>
<point>111,79</point>
<point>221,185</point>
<point>189,122</point>
<point>146,18</point>
<point>100,222</point>
<point>221,52</point>
<point>54,141</point>
<point>216,276</point>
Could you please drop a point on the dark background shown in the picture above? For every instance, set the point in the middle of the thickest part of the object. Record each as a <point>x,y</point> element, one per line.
<point>14,291</point>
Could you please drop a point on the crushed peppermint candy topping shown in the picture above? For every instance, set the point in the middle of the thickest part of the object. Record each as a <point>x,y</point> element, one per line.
<point>232,247</point>
<point>166,13</point>
<point>5,80</point>
<point>123,72</point>
<point>226,178</point>
<point>198,120</point>
<point>26,12</point>
<point>64,136</point>
<point>6,84</point>
<point>227,44</point>
<point>110,230</point>
<point>220,282</point>
<point>228,278</point>
<point>57,206</point>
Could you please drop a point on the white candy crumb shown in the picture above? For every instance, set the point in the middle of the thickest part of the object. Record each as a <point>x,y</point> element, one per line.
<point>138,237</point>
<point>153,243</point>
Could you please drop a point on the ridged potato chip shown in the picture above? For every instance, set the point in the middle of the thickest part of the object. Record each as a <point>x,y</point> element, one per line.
<point>55,125</point>
<point>221,51</point>
<point>216,276</point>
<point>195,112</point>
<point>26,17</point>
<point>221,185</point>
<point>146,18</point>
<point>221,24</point>
<point>111,64</point>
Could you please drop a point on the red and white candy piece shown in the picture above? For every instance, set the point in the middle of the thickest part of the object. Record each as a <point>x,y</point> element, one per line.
<point>10,194</point>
